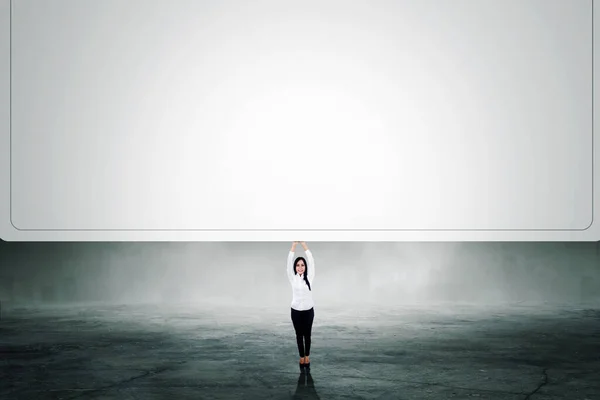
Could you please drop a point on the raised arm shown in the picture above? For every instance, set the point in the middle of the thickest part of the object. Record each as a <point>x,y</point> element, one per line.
<point>290,262</point>
<point>311,262</point>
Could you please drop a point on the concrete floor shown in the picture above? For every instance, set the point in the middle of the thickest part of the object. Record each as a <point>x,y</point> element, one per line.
<point>184,352</point>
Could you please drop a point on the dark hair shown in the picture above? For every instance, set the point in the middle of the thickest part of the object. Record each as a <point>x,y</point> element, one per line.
<point>305,270</point>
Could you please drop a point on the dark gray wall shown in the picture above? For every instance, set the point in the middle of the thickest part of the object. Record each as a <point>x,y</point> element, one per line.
<point>254,273</point>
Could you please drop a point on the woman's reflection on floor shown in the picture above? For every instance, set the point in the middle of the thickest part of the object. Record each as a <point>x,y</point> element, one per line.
<point>306,387</point>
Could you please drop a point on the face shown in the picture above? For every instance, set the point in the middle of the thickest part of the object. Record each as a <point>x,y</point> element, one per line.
<point>300,267</point>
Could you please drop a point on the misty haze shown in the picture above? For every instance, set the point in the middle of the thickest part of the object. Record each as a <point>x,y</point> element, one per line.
<point>357,273</point>
<point>212,320</point>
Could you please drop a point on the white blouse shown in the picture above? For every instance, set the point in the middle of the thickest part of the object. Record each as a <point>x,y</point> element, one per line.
<point>302,298</point>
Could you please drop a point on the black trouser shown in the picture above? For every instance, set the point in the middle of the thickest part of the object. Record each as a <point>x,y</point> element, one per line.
<point>303,321</point>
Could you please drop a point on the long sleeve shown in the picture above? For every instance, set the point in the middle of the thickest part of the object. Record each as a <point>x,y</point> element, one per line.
<point>290,266</point>
<point>311,266</point>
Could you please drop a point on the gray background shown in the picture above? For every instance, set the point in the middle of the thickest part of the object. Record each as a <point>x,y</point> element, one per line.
<point>348,275</point>
<point>370,115</point>
<point>195,320</point>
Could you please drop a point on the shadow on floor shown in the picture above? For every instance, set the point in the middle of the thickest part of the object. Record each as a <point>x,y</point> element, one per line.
<point>306,387</point>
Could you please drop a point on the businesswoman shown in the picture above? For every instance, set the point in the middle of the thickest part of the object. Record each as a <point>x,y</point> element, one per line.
<point>301,273</point>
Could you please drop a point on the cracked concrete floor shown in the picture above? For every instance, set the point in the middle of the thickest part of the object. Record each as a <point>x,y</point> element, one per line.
<point>186,352</point>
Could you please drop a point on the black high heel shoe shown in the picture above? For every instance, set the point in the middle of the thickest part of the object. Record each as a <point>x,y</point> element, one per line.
<point>302,366</point>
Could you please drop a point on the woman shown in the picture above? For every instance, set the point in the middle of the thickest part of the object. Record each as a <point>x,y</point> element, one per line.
<point>301,275</point>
